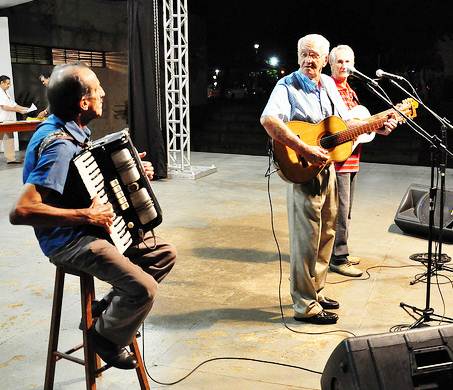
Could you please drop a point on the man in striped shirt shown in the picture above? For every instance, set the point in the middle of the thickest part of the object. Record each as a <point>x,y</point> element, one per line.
<point>340,57</point>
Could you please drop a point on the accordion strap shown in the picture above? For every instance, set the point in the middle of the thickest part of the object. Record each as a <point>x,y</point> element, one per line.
<point>56,135</point>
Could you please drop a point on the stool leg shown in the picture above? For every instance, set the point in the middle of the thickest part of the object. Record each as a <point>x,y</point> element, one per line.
<point>54,329</point>
<point>141,373</point>
<point>92,362</point>
<point>91,289</point>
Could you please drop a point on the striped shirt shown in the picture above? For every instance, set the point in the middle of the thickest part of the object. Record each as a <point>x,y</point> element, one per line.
<point>350,99</point>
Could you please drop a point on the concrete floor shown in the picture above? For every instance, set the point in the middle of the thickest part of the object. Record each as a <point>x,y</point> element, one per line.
<point>221,300</point>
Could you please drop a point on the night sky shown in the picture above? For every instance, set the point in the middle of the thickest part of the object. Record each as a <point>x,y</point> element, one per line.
<point>392,35</point>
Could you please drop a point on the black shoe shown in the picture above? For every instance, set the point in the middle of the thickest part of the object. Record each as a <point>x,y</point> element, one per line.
<point>322,318</point>
<point>14,162</point>
<point>97,307</point>
<point>329,304</point>
<point>111,353</point>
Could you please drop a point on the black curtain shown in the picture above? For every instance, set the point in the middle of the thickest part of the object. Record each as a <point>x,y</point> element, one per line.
<point>146,131</point>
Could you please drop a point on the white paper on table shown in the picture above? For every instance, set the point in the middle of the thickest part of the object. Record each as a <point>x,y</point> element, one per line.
<point>31,108</point>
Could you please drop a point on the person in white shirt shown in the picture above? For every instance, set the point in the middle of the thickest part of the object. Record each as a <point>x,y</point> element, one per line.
<point>8,109</point>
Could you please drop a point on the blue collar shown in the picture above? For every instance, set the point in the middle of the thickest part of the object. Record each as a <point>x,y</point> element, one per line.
<point>306,84</point>
<point>81,135</point>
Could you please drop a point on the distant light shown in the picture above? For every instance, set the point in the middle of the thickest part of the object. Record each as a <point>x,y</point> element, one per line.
<point>256,46</point>
<point>273,61</point>
<point>214,77</point>
<point>282,71</point>
<point>215,83</point>
<point>217,71</point>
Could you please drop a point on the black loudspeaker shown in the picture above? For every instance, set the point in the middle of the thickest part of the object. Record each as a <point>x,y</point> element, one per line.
<point>412,215</point>
<point>414,359</point>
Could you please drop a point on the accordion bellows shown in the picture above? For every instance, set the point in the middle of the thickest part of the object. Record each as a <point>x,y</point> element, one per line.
<point>111,169</point>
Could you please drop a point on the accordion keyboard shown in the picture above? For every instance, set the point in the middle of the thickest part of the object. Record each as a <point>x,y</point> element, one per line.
<point>95,185</point>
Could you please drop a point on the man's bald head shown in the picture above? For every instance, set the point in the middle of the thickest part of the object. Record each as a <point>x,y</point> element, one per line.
<point>67,86</point>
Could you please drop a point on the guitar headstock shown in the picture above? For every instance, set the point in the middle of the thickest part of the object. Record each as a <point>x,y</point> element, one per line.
<point>408,107</point>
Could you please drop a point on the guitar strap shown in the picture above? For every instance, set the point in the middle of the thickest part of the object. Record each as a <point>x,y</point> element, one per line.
<point>354,98</point>
<point>331,101</point>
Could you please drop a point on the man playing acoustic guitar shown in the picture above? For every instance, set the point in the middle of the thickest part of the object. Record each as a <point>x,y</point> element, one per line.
<point>340,58</point>
<point>309,96</point>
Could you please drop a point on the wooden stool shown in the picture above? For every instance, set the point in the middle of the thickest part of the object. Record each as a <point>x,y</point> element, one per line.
<point>91,361</point>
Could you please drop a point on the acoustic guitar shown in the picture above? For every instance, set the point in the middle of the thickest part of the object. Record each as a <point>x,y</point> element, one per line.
<point>334,135</point>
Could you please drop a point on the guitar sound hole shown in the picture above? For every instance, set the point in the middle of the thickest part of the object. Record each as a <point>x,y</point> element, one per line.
<point>327,141</point>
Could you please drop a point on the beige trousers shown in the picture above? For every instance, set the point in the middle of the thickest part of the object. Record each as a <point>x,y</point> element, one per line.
<point>312,211</point>
<point>8,146</point>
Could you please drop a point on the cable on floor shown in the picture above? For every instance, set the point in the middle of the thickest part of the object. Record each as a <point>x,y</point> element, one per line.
<point>216,359</point>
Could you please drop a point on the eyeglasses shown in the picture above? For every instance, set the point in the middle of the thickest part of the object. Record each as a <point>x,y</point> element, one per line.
<point>311,54</point>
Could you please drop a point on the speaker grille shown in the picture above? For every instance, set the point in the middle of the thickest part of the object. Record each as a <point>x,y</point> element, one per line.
<point>412,215</point>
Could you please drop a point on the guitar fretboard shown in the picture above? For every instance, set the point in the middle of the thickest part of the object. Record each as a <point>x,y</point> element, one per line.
<point>373,123</point>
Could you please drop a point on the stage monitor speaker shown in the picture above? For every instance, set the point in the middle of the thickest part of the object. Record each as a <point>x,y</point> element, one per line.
<point>414,359</point>
<point>412,215</point>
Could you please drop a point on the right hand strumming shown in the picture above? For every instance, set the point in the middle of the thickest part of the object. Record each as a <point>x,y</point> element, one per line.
<point>315,155</point>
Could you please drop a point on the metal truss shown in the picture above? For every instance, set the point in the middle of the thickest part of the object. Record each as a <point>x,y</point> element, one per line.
<point>176,52</point>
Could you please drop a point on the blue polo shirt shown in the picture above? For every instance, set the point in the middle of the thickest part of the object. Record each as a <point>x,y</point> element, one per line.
<point>50,170</point>
<point>296,97</point>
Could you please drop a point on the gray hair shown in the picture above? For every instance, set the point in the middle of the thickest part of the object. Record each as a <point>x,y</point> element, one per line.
<point>333,53</point>
<point>322,42</point>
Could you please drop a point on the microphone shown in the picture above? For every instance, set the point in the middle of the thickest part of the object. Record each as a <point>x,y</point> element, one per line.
<point>381,74</point>
<point>355,73</point>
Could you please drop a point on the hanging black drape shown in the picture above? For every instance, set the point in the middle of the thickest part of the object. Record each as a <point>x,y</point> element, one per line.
<point>146,131</point>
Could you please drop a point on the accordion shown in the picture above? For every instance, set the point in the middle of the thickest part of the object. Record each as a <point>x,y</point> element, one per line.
<point>110,168</point>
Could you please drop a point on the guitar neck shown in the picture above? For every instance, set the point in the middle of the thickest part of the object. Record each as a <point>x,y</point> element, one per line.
<point>373,123</point>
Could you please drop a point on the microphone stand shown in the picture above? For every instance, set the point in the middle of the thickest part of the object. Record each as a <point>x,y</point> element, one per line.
<point>445,124</point>
<point>427,313</point>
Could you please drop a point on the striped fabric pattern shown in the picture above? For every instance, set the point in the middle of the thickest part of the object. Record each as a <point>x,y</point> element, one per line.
<point>350,98</point>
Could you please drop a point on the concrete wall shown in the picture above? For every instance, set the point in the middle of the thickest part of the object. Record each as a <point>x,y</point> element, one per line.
<point>73,24</point>
<point>92,25</point>
<point>78,24</point>
<point>29,89</point>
